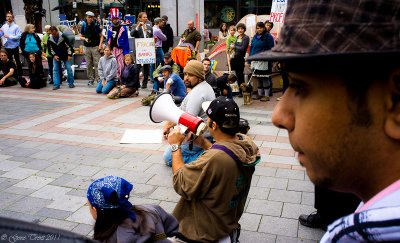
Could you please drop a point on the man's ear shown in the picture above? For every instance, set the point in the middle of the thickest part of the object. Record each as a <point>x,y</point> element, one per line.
<point>392,123</point>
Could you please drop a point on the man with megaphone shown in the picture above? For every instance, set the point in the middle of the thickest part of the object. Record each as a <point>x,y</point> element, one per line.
<point>215,186</point>
<point>200,92</point>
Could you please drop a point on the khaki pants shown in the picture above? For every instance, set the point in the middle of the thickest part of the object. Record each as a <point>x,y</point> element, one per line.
<point>92,56</point>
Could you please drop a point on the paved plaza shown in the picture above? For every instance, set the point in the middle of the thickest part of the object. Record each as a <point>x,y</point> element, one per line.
<point>53,144</point>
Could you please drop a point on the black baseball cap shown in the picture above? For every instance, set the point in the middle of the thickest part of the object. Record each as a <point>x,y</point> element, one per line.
<point>224,111</point>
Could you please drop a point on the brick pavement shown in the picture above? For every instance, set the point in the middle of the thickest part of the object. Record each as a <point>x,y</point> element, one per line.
<point>54,143</point>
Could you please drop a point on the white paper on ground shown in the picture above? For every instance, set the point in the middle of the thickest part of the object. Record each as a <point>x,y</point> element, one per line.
<point>142,136</point>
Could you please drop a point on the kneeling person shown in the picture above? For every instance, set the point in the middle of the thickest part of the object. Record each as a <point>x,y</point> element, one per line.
<point>215,186</point>
<point>173,84</point>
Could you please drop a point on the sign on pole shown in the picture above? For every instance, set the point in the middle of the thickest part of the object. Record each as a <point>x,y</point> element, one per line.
<point>145,50</point>
<point>278,10</point>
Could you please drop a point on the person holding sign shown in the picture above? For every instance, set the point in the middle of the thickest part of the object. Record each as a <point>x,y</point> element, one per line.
<point>117,38</point>
<point>143,30</point>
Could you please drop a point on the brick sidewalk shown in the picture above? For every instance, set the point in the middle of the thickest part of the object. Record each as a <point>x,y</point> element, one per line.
<point>54,143</point>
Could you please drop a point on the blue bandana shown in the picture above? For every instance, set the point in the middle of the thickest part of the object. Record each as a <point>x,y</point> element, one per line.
<point>100,191</point>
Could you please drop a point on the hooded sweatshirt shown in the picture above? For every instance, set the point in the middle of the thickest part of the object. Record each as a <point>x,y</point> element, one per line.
<point>214,189</point>
<point>108,68</point>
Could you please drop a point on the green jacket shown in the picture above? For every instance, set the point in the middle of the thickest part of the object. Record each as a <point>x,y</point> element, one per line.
<point>45,38</point>
<point>175,69</point>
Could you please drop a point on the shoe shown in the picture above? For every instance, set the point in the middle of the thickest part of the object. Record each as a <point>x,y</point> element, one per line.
<point>90,83</point>
<point>56,87</point>
<point>51,82</point>
<point>313,220</point>
<point>279,98</point>
<point>257,97</point>
<point>264,98</point>
<point>240,95</point>
<point>71,86</point>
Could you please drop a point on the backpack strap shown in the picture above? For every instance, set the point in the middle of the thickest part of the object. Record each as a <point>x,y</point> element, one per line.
<point>229,152</point>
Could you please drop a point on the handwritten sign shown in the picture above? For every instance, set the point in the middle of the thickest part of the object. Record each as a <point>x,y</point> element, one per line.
<point>145,50</point>
<point>278,10</point>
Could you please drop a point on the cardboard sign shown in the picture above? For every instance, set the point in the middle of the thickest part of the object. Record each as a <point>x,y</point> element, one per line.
<point>145,50</point>
<point>278,11</point>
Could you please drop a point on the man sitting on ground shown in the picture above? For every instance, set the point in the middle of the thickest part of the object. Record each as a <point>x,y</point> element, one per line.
<point>173,84</point>
<point>7,70</point>
<point>157,73</point>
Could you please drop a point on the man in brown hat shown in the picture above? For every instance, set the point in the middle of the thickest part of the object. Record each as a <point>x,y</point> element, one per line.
<point>200,92</point>
<point>342,107</point>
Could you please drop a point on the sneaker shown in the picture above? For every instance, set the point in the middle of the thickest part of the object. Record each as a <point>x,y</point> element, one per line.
<point>71,86</point>
<point>279,98</point>
<point>313,220</point>
<point>264,98</point>
<point>56,87</point>
<point>257,97</point>
<point>90,83</point>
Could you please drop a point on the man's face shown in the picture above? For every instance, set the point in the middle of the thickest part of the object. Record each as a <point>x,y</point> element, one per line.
<point>9,18</point>
<point>167,60</point>
<point>206,66</point>
<point>54,33</point>
<point>115,21</point>
<point>3,57</point>
<point>190,25</point>
<point>89,19</point>
<point>191,80</point>
<point>161,24</point>
<point>318,114</point>
<point>165,73</point>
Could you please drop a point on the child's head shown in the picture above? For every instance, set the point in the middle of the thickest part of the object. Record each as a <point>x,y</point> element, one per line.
<point>232,30</point>
<point>128,59</point>
<point>110,192</point>
<point>231,78</point>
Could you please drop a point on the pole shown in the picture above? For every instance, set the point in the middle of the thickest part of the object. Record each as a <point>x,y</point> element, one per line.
<point>100,3</point>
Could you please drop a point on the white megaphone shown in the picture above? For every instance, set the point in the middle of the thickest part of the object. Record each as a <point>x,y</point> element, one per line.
<point>163,108</point>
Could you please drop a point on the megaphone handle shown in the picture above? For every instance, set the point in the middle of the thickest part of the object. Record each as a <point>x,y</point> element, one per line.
<point>191,142</point>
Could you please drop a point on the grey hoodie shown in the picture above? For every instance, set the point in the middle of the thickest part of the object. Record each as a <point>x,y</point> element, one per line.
<point>108,68</point>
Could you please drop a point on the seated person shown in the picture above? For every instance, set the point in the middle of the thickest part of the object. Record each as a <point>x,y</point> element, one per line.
<point>224,84</point>
<point>36,74</point>
<point>173,84</point>
<point>7,70</point>
<point>117,220</point>
<point>129,78</point>
<point>157,73</point>
<point>107,72</point>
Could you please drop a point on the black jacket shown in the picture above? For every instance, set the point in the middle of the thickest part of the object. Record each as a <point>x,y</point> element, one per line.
<point>62,48</point>
<point>139,32</point>
<point>167,30</point>
<point>130,76</point>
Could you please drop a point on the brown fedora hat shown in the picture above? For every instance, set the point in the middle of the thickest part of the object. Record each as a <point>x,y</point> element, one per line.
<point>321,28</point>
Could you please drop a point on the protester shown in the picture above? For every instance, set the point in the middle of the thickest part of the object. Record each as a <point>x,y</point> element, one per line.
<point>237,62</point>
<point>223,31</point>
<point>169,33</point>
<point>224,84</point>
<point>262,41</point>
<point>117,38</point>
<point>61,51</point>
<point>108,73</point>
<point>214,187</point>
<point>10,34</point>
<point>192,36</point>
<point>7,72</point>
<point>36,74</point>
<point>30,42</point>
<point>200,91</point>
<point>175,68</point>
<point>143,30</point>
<point>210,78</point>
<point>129,80</point>
<point>45,48</point>
<point>159,37</point>
<point>173,84</point>
<point>93,43</point>
<point>355,77</point>
<point>117,220</point>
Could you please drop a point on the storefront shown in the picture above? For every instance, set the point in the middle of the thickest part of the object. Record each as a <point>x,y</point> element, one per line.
<point>227,11</point>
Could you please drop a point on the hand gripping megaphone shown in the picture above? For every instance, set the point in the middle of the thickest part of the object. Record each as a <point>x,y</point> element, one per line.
<point>163,108</point>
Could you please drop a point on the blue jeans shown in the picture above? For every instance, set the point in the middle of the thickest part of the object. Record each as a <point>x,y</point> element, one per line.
<point>157,85</point>
<point>106,88</point>
<point>56,72</point>
<point>159,59</point>
<point>187,154</point>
